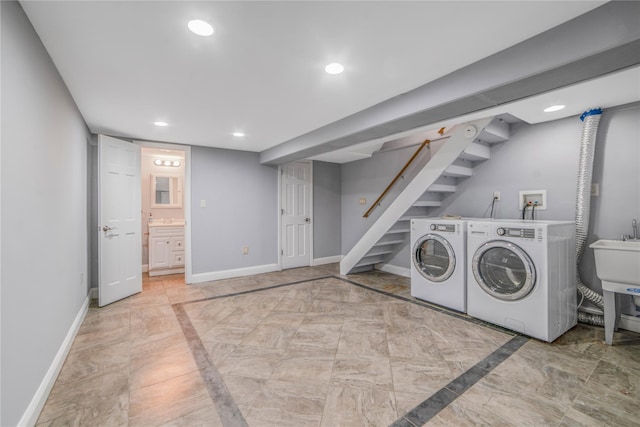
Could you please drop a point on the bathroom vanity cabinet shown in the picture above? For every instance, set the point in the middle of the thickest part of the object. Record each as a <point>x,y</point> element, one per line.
<point>166,249</point>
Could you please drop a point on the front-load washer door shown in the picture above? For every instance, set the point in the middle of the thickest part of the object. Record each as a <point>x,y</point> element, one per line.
<point>434,258</point>
<point>504,270</point>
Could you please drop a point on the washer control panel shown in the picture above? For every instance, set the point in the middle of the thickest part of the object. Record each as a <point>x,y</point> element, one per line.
<point>525,233</point>
<point>447,228</point>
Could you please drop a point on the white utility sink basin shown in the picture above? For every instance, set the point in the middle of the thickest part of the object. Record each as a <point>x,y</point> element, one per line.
<point>618,261</point>
<point>618,266</point>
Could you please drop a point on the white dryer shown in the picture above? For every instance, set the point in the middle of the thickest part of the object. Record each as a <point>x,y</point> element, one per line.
<point>521,275</point>
<point>438,269</point>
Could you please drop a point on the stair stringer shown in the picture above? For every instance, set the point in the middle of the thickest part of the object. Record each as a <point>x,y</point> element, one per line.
<point>463,136</point>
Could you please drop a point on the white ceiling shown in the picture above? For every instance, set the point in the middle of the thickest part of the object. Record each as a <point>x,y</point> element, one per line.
<point>128,64</point>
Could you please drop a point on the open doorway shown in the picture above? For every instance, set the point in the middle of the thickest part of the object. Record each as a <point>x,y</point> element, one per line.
<point>163,211</point>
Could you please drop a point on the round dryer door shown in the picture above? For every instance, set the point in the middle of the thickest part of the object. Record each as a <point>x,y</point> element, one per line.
<point>434,258</point>
<point>504,270</point>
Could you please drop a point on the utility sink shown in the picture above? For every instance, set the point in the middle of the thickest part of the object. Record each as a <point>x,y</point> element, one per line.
<point>618,266</point>
<point>618,261</point>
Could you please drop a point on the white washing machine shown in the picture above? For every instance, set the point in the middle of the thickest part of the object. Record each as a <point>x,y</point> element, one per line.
<point>438,268</point>
<point>521,275</point>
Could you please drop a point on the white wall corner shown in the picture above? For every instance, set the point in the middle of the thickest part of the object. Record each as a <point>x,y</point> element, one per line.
<point>32,412</point>
<point>326,260</point>
<point>237,272</point>
<point>394,269</point>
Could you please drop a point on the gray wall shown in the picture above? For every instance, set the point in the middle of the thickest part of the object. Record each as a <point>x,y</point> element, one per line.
<point>367,178</point>
<point>543,156</point>
<point>44,212</point>
<point>242,202</point>
<point>617,169</point>
<point>326,210</point>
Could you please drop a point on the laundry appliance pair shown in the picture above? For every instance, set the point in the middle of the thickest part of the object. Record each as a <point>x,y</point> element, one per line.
<point>516,274</point>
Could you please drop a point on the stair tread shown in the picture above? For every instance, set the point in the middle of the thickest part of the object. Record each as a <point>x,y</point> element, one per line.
<point>398,230</point>
<point>443,188</point>
<point>428,203</point>
<point>377,253</point>
<point>456,170</point>
<point>369,262</point>
<point>390,242</point>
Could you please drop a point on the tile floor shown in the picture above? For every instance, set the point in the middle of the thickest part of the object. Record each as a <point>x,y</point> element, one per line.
<point>308,347</point>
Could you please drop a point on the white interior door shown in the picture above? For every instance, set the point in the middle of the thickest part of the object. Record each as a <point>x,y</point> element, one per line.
<point>296,214</point>
<point>119,193</point>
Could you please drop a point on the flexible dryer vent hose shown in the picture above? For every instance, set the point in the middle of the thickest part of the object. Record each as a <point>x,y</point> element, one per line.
<point>591,319</point>
<point>590,120</point>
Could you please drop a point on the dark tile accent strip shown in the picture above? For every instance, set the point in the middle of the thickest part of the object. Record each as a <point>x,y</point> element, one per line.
<point>228,411</point>
<point>428,409</point>
<point>257,290</point>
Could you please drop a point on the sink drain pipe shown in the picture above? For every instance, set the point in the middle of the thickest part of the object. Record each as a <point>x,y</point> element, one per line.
<point>590,120</point>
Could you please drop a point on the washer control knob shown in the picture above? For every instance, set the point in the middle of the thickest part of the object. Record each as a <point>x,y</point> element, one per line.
<point>432,227</point>
<point>500,231</point>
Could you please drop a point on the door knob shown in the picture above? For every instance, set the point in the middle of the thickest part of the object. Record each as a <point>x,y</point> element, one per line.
<point>307,220</point>
<point>107,228</point>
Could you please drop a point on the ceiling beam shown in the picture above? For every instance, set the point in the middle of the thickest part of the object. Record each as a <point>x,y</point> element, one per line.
<point>599,42</point>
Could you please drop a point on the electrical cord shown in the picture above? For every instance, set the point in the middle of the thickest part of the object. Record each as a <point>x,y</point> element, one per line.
<point>493,204</point>
<point>533,212</point>
<point>524,209</point>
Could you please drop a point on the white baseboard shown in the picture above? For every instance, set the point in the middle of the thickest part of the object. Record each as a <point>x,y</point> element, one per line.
<point>94,293</point>
<point>32,412</point>
<point>145,268</point>
<point>326,260</point>
<point>237,272</point>
<point>394,269</point>
<point>630,323</point>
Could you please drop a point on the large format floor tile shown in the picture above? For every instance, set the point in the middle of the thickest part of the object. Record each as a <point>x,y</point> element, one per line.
<point>308,347</point>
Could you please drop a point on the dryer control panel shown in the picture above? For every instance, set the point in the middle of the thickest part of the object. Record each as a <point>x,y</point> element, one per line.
<point>447,228</point>
<point>525,233</point>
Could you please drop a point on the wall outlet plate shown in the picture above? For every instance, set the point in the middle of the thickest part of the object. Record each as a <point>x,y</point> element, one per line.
<point>533,196</point>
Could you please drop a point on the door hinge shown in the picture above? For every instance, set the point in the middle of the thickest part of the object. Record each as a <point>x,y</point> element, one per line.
<point>281,211</point>
<point>281,251</point>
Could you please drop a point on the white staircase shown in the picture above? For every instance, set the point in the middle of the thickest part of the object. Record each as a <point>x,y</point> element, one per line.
<point>468,145</point>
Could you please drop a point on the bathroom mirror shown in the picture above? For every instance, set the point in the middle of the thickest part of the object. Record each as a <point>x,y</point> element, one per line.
<point>166,191</point>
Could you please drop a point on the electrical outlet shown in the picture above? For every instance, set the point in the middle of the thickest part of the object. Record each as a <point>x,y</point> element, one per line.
<point>245,250</point>
<point>363,201</point>
<point>203,203</point>
<point>496,195</point>
<point>535,197</point>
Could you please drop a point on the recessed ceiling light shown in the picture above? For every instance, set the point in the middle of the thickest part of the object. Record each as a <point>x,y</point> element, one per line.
<point>334,68</point>
<point>157,162</point>
<point>161,124</point>
<point>200,27</point>
<point>553,108</point>
<point>239,134</point>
